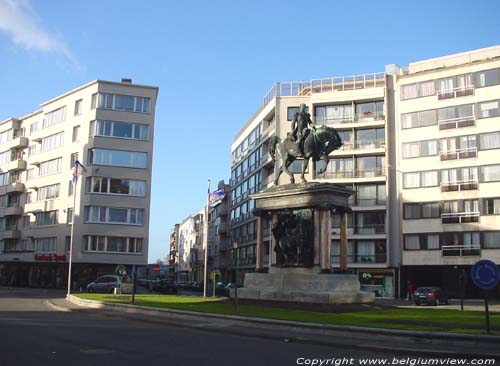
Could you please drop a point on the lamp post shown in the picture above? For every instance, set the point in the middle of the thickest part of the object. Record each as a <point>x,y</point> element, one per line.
<point>237,258</point>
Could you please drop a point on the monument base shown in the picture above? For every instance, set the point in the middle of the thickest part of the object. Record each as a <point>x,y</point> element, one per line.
<point>304,287</point>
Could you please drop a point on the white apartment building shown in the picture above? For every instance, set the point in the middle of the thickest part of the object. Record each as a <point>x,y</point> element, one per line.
<point>109,128</point>
<point>190,258</point>
<point>448,166</point>
<point>355,106</point>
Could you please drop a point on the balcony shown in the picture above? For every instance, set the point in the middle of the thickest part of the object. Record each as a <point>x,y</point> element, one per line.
<point>447,124</point>
<point>363,145</point>
<point>460,91</point>
<point>19,142</point>
<point>13,211</point>
<point>10,233</point>
<point>459,217</point>
<point>465,153</point>
<point>370,229</point>
<point>361,259</point>
<point>369,173</point>
<point>337,121</point>
<point>354,82</point>
<point>367,202</point>
<point>460,250</point>
<point>11,188</point>
<point>458,186</point>
<point>18,164</point>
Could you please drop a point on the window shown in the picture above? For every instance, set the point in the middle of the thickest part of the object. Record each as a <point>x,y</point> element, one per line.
<point>114,215</point>
<point>54,117</point>
<point>48,192</point>
<point>112,244</point>
<point>490,173</point>
<point>69,216</point>
<point>78,107</point>
<point>370,195</point>
<point>116,186</point>
<point>491,240</point>
<point>45,245</point>
<point>412,242</point>
<point>427,88</point>
<point>332,114</point>
<point>412,211</point>
<point>76,133</point>
<point>49,167</point>
<point>419,119</point>
<point>409,91</point>
<point>118,158</point>
<point>369,110</point>
<point>121,102</point>
<point>369,166</point>
<point>341,167</point>
<point>46,218</point>
<point>420,179</point>
<point>33,127</point>
<point>26,221</point>
<point>53,141</point>
<point>370,222</point>
<point>120,129</point>
<point>419,149</point>
<point>491,206</point>
<point>489,140</point>
<point>6,136</point>
<point>488,109</point>
<point>487,78</point>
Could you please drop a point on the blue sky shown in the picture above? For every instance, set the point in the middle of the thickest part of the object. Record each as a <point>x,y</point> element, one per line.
<point>214,61</point>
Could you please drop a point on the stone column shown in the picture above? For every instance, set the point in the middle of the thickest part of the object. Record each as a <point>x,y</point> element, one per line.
<point>343,241</point>
<point>272,244</point>
<point>326,240</point>
<point>317,236</point>
<point>259,248</point>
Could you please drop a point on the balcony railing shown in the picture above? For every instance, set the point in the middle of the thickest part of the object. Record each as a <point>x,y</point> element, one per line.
<point>376,172</point>
<point>465,153</point>
<point>348,83</point>
<point>368,229</point>
<point>335,121</point>
<point>460,185</point>
<point>364,259</point>
<point>459,122</point>
<point>369,202</point>
<point>460,91</point>
<point>363,144</point>
<point>460,250</point>
<point>459,217</point>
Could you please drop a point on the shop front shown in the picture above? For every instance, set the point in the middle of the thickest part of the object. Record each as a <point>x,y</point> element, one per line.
<point>382,282</point>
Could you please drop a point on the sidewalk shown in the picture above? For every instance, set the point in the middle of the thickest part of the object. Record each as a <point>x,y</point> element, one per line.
<point>394,341</point>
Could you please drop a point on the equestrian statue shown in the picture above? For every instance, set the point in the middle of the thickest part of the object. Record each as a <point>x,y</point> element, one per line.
<point>305,141</point>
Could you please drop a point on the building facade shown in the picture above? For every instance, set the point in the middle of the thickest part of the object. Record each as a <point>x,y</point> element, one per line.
<point>190,259</point>
<point>447,165</point>
<point>419,153</point>
<point>109,128</point>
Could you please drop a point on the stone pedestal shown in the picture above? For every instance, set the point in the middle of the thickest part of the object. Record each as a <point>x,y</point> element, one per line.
<point>298,286</point>
<point>310,282</point>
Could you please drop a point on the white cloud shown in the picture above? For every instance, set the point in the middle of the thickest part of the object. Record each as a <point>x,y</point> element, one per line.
<point>18,19</point>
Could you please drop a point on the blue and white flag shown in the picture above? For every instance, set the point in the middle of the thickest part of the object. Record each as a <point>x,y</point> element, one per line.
<point>77,170</point>
<point>216,195</point>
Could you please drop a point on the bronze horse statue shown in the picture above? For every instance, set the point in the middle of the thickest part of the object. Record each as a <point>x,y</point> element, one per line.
<point>318,144</point>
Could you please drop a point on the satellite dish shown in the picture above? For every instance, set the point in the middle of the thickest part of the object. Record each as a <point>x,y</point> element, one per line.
<point>121,270</point>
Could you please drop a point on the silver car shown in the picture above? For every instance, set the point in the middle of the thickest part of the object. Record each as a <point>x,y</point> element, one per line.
<point>108,284</point>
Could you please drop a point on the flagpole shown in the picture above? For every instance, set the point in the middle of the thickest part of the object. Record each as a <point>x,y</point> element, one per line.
<point>205,242</point>
<point>71,237</point>
<point>77,166</point>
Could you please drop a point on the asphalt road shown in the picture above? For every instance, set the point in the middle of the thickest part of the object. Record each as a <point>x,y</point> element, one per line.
<point>33,333</point>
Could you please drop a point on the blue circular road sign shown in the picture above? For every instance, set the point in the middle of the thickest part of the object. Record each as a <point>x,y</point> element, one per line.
<point>485,274</point>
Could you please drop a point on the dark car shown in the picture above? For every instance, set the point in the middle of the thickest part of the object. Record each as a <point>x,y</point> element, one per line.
<point>431,296</point>
<point>167,287</point>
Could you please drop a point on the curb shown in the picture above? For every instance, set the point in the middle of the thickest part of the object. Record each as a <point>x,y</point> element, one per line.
<point>312,326</point>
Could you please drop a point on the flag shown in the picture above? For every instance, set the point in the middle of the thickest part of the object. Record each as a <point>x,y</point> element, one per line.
<point>77,170</point>
<point>216,195</point>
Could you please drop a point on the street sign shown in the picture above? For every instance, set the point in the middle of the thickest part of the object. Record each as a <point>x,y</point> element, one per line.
<point>485,274</point>
<point>215,275</point>
<point>156,268</point>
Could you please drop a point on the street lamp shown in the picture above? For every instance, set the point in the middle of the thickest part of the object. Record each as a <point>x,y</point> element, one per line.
<point>237,257</point>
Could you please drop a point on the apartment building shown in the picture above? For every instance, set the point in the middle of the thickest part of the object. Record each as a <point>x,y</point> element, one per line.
<point>218,233</point>
<point>190,259</point>
<point>355,106</point>
<point>109,128</point>
<point>448,165</point>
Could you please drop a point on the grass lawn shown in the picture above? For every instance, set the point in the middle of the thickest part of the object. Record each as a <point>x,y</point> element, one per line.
<point>427,319</point>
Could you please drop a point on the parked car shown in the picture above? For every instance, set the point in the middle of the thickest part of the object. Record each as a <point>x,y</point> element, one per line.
<point>167,286</point>
<point>108,283</point>
<point>431,296</point>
